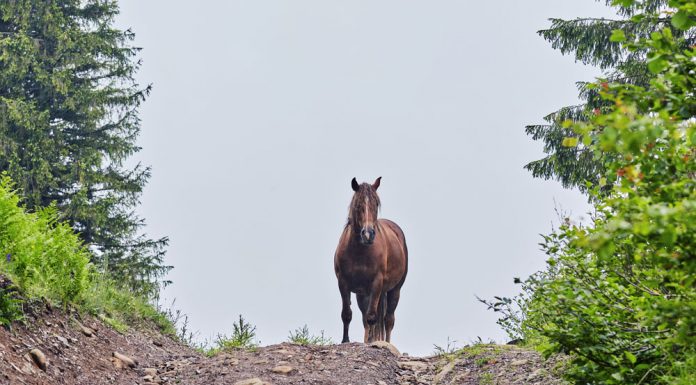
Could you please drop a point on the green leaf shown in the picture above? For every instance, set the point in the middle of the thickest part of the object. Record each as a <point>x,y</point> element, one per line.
<point>570,142</point>
<point>617,36</point>
<point>681,20</point>
<point>630,356</point>
<point>623,3</point>
<point>657,64</point>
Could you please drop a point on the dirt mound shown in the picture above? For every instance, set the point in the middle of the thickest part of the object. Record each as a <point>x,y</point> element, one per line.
<point>58,348</point>
<point>77,351</point>
<point>287,364</point>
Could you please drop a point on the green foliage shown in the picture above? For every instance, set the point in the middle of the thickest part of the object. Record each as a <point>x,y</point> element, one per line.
<point>619,294</point>
<point>10,304</point>
<point>302,336</point>
<point>46,260</point>
<point>599,42</point>
<point>68,122</point>
<point>243,336</point>
<point>44,257</point>
<point>121,308</point>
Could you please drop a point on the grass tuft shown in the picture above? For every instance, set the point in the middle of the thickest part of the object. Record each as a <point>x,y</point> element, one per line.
<point>243,337</point>
<point>302,336</point>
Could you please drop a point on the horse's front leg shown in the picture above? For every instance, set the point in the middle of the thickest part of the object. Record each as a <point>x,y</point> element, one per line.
<point>346,313</point>
<point>375,294</point>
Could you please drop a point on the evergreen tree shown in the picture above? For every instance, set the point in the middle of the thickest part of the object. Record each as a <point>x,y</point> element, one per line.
<point>68,122</point>
<point>589,40</point>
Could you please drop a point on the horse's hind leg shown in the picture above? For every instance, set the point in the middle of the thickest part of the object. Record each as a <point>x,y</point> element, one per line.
<point>346,313</point>
<point>392,302</point>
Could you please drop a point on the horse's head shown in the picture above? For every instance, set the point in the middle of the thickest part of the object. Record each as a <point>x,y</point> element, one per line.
<point>363,211</point>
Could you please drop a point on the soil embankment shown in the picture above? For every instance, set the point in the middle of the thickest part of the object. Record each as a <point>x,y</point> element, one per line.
<point>55,348</point>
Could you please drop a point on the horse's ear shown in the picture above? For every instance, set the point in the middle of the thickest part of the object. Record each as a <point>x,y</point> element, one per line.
<point>377,182</point>
<point>354,184</point>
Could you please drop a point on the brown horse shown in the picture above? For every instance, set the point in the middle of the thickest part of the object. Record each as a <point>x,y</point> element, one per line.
<point>371,261</point>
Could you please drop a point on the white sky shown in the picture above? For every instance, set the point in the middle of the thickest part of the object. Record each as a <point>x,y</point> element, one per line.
<point>262,112</point>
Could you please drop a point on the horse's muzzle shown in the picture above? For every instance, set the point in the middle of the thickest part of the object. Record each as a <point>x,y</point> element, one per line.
<point>367,236</point>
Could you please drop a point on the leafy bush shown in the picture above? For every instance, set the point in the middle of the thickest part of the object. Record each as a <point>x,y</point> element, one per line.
<point>302,336</point>
<point>42,256</point>
<point>619,295</point>
<point>243,336</point>
<point>46,260</point>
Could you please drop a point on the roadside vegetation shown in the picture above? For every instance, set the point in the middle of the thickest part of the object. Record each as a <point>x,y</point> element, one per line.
<point>619,293</point>
<point>44,260</point>
<point>69,123</point>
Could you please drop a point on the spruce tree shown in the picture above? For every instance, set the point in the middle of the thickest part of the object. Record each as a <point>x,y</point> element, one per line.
<point>590,41</point>
<point>68,122</point>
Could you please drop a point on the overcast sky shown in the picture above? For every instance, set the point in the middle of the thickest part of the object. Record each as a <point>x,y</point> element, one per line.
<point>263,111</point>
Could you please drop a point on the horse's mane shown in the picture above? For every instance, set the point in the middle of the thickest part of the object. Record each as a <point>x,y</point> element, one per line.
<point>357,205</point>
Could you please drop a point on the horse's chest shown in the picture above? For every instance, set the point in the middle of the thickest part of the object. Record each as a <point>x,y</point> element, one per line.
<point>359,274</point>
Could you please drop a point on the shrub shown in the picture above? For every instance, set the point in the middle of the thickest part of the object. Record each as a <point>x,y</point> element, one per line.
<point>302,336</point>
<point>619,295</point>
<point>46,260</point>
<point>44,257</point>
<point>243,336</point>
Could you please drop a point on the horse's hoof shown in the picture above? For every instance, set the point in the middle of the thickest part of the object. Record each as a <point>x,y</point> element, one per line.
<point>345,341</point>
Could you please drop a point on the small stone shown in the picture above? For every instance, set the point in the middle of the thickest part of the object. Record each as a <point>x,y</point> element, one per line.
<point>413,366</point>
<point>39,358</point>
<point>261,362</point>
<point>537,373</point>
<point>386,345</point>
<point>152,372</point>
<point>118,364</point>
<point>28,368</point>
<point>519,362</point>
<point>157,343</point>
<point>62,340</point>
<point>460,377</point>
<point>252,381</point>
<point>127,361</point>
<point>86,331</point>
<point>147,378</point>
<point>443,373</point>
<point>283,369</point>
